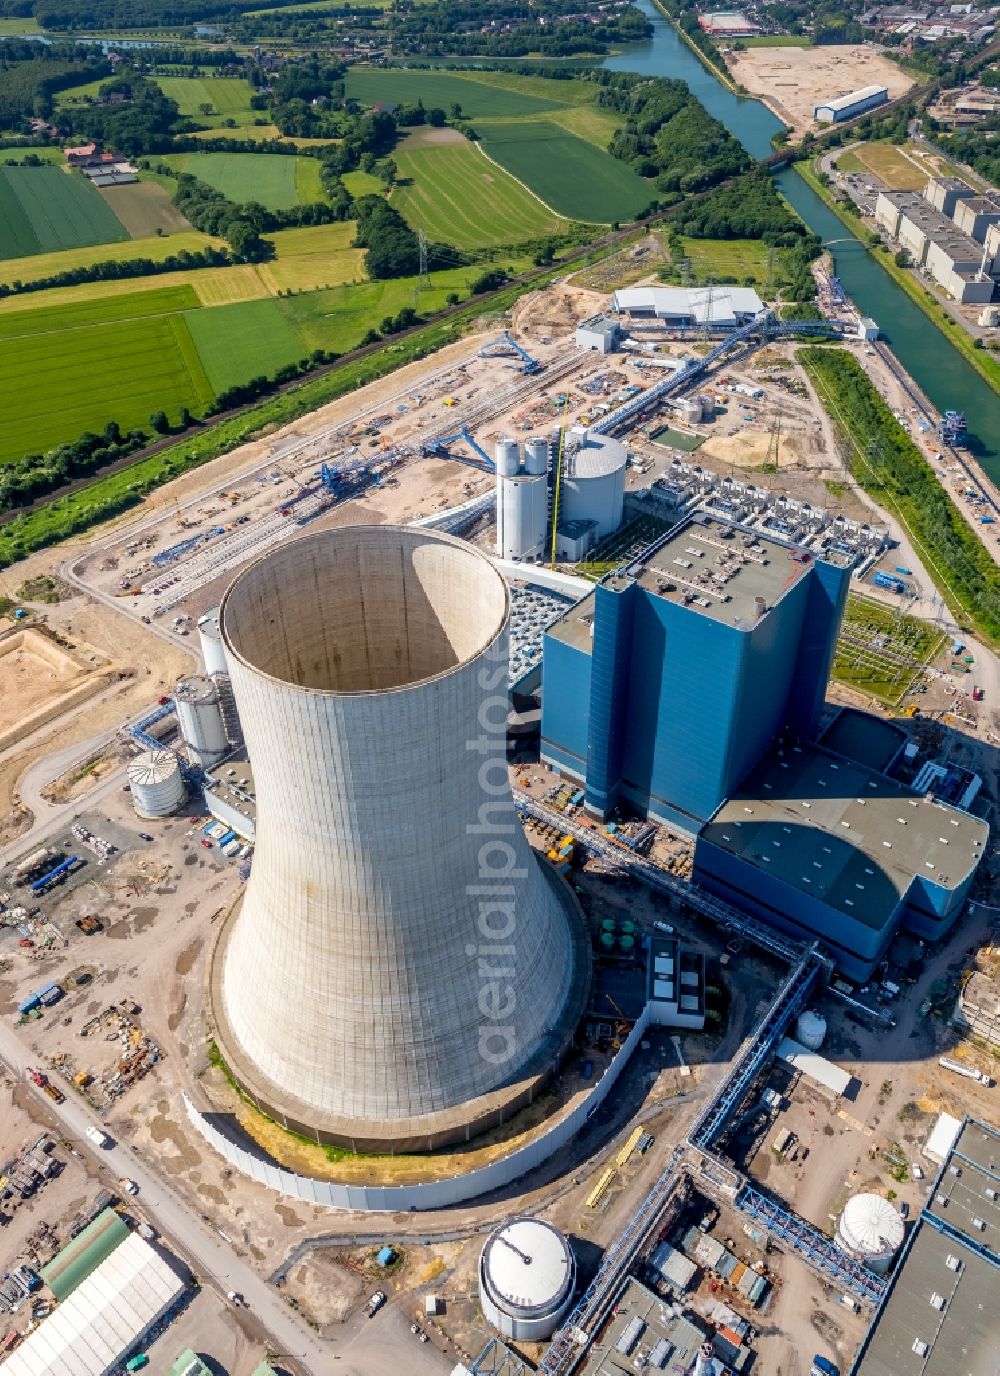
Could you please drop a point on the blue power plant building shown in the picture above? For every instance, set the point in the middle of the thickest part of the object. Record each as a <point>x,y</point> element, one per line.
<point>666,686</point>
<point>690,686</point>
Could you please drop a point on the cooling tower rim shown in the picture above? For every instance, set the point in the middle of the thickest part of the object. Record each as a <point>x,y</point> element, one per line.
<point>412,535</point>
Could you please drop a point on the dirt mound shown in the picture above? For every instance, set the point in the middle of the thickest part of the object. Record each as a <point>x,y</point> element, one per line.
<point>553,312</point>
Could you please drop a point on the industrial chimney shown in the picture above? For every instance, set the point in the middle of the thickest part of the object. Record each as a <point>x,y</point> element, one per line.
<point>403,971</point>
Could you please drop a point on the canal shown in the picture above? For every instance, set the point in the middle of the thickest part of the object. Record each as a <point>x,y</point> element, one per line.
<point>924,351</point>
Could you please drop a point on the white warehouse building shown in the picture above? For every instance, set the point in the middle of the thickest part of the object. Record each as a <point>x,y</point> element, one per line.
<point>104,1319</point>
<point>855,103</point>
<point>725,307</point>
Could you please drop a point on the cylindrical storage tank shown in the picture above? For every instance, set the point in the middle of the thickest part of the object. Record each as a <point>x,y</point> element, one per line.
<point>628,926</point>
<point>607,943</point>
<point>536,455</point>
<point>156,782</point>
<point>508,458</point>
<point>348,997</point>
<point>871,1230</point>
<point>810,1029</point>
<point>707,403</point>
<point>627,944</point>
<point>592,486</point>
<point>522,517</point>
<point>527,1275</point>
<point>210,637</point>
<point>609,925</point>
<point>200,716</point>
<point>689,409</point>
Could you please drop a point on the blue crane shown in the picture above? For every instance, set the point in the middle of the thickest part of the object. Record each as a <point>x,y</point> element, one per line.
<point>441,446</point>
<point>507,346</point>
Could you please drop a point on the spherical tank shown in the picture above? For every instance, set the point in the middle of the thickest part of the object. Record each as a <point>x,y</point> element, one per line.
<point>212,654</point>
<point>156,782</point>
<point>350,995</point>
<point>527,1275</point>
<point>810,1029</point>
<point>200,718</point>
<point>508,458</point>
<point>871,1230</point>
<point>536,455</point>
<point>592,487</point>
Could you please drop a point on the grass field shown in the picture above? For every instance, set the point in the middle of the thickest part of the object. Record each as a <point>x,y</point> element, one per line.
<point>15,153</point>
<point>776,40</point>
<point>478,99</point>
<point>738,258</point>
<point>457,196</point>
<point>363,183</point>
<point>145,208</point>
<point>79,95</point>
<point>229,97</point>
<point>242,341</point>
<point>43,209</point>
<point>573,177</point>
<point>269,178</point>
<point>13,27</point>
<point>80,315</point>
<point>888,162</point>
<point>314,257</point>
<point>28,269</point>
<point>79,379</point>
<point>258,132</point>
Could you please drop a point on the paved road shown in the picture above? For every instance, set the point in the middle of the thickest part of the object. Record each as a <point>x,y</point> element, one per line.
<point>209,1258</point>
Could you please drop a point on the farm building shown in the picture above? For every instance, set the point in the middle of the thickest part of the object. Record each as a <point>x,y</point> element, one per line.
<point>725,307</point>
<point>846,107</point>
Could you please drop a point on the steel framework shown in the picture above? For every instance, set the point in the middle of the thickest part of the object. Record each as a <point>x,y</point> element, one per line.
<point>441,447</point>
<point>506,346</point>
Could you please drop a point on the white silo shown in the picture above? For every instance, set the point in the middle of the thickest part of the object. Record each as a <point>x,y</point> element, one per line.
<point>689,410</point>
<point>508,458</point>
<point>210,637</point>
<point>810,1029</point>
<point>527,1275</point>
<point>871,1230</point>
<point>522,517</point>
<point>349,995</point>
<point>156,782</point>
<point>592,484</point>
<point>200,716</point>
<point>536,455</point>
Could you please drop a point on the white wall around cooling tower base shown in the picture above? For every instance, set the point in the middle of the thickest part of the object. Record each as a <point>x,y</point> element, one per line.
<point>435,1194</point>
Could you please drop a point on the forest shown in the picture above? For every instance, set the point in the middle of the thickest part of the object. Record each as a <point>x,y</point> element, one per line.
<point>31,75</point>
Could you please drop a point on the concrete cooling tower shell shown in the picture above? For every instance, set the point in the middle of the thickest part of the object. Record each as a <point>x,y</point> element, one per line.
<point>403,972</point>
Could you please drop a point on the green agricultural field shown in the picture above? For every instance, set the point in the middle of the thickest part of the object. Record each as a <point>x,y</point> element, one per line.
<point>363,183</point>
<point>457,196</point>
<point>79,379</point>
<point>29,269</point>
<point>15,153</point>
<point>80,95</point>
<point>269,178</point>
<point>245,340</point>
<point>477,98</point>
<point>44,209</point>
<point>10,28</point>
<point>229,97</point>
<point>573,177</point>
<point>82,315</point>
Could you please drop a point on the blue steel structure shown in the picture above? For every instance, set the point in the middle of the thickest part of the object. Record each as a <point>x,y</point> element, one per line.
<point>666,702</point>
<point>140,731</point>
<point>441,448</point>
<point>506,347</point>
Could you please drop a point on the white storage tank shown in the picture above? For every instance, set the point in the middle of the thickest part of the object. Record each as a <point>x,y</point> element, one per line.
<point>527,1275</point>
<point>592,485</point>
<point>522,517</point>
<point>156,782</point>
<point>810,1029</point>
<point>200,716</point>
<point>536,455</point>
<point>871,1230</point>
<point>212,654</point>
<point>689,410</point>
<point>508,458</point>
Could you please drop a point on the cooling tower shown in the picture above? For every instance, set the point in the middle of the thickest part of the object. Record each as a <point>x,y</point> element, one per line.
<point>402,972</point>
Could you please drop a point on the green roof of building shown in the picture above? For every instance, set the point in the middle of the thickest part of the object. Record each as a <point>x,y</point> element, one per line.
<point>265,1369</point>
<point>189,1364</point>
<point>82,1256</point>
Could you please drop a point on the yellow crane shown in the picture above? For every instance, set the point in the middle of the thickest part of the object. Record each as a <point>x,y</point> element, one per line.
<point>555,499</point>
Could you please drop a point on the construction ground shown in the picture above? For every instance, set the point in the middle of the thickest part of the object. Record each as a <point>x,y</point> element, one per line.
<point>793,81</point>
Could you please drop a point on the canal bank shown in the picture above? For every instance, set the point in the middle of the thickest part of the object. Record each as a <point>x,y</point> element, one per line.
<point>939,369</point>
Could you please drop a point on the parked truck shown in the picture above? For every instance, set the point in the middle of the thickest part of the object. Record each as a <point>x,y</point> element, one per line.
<point>39,1078</point>
<point>99,1138</point>
<point>968,1071</point>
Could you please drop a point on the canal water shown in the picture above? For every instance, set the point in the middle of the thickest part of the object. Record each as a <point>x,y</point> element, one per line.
<point>936,366</point>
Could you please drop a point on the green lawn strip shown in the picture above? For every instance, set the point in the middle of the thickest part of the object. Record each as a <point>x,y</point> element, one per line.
<point>773,40</point>
<point>82,314</point>
<point>228,96</point>
<point>363,184</point>
<point>458,196</point>
<point>984,363</point>
<point>478,99</point>
<point>244,340</point>
<point>573,177</point>
<point>308,186</point>
<point>899,479</point>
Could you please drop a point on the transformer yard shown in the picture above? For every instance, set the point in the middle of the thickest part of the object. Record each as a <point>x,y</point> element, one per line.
<point>713,1156</point>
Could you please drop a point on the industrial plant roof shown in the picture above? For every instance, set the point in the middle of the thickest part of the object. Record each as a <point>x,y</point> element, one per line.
<point>862,737</point>
<point>940,1317</point>
<point>656,1323</point>
<point>593,456</point>
<point>232,781</point>
<point>711,566</point>
<point>845,102</point>
<point>937,226</point>
<point>725,301</point>
<point>844,834</point>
